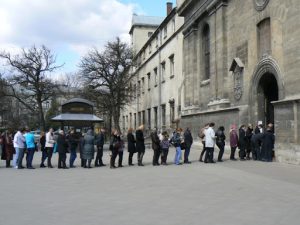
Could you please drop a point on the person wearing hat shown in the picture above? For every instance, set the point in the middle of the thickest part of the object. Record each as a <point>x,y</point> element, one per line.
<point>234,140</point>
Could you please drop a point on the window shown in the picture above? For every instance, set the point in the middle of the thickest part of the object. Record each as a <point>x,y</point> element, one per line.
<point>163,71</point>
<point>135,121</point>
<point>143,55</point>
<point>172,112</point>
<point>165,31</point>
<point>149,81</point>
<point>143,117</point>
<point>143,85</point>
<point>139,88</point>
<point>123,122</point>
<point>150,48</point>
<point>264,38</point>
<point>139,118</point>
<point>163,115</point>
<point>206,51</point>
<point>155,117</point>
<point>130,120</point>
<point>173,25</point>
<point>127,123</point>
<point>135,90</point>
<point>150,34</point>
<point>149,119</point>
<point>155,77</point>
<point>156,41</point>
<point>171,58</point>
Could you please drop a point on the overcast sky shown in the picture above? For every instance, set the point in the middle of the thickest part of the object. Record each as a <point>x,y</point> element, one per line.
<point>70,27</point>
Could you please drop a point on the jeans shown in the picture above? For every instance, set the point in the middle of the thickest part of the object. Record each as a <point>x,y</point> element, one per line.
<point>202,152</point>
<point>73,156</point>
<point>120,154</point>
<point>49,154</point>
<point>140,157</point>
<point>232,152</point>
<point>62,156</point>
<point>44,156</point>
<point>29,157</point>
<point>209,155</point>
<point>98,161</point>
<point>221,146</point>
<point>20,157</point>
<point>164,155</point>
<point>178,155</point>
<point>186,154</point>
<point>156,154</point>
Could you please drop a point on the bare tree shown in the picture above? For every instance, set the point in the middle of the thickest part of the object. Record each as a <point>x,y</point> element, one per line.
<point>30,82</point>
<point>107,76</point>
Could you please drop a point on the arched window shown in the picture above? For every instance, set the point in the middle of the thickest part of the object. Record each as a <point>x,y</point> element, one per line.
<point>206,51</point>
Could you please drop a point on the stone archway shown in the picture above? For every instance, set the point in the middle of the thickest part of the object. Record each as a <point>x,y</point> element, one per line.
<point>267,86</point>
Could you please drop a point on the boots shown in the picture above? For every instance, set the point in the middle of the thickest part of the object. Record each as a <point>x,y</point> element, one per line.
<point>89,163</point>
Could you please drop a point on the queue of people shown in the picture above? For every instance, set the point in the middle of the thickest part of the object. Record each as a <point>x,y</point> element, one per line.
<point>253,143</point>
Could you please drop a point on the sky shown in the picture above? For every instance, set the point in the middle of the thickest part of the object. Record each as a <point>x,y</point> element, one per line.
<point>70,27</point>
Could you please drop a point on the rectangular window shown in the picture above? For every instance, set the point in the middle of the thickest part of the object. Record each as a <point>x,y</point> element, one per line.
<point>155,76</point>
<point>163,115</point>
<point>150,48</point>
<point>155,117</point>
<point>163,71</point>
<point>127,123</point>
<point>165,32</point>
<point>149,119</point>
<point>135,122</point>
<point>172,65</point>
<point>144,117</point>
<point>156,41</point>
<point>130,120</point>
<point>173,25</point>
<point>149,81</point>
<point>139,119</point>
<point>123,122</point>
<point>264,38</point>
<point>139,88</point>
<point>143,85</point>
<point>172,112</point>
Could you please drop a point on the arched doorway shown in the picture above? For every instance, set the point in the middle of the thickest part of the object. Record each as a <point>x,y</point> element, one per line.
<point>267,91</point>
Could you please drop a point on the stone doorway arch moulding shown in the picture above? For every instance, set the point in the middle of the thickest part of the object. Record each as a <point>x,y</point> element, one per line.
<point>266,65</point>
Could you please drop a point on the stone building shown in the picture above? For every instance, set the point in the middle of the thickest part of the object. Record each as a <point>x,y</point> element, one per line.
<point>237,62</point>
<point>158,70</point>
<point>241,63</point>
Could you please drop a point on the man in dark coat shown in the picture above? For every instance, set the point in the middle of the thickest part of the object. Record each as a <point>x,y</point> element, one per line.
<point>99,143</point>
<point>62,147</point>
<point>242,142</point>
<point>188,140</point>
<point>156,148</point>
<point>140,144</point>
<point>131,146</point>
<point>220,141</point>
<point>256,145</point>
<point>268,145</point>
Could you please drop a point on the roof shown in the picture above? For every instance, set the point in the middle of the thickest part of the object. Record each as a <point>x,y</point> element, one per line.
<point>153,21</point>
<point>78,100</point>
<point>236,62</point>
<point>77,117</point>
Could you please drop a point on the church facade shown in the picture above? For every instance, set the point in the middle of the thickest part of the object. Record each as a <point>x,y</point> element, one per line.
<point>240,65</point>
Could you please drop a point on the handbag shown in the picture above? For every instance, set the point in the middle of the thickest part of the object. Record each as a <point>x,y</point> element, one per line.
<point>183,146</point>
<point>55,148</point>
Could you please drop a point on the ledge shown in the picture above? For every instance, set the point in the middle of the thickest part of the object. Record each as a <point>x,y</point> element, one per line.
<point>205,82</point>
<point>184,114</point>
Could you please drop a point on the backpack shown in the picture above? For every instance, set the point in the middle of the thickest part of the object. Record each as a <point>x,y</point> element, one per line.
<point>201,133</point>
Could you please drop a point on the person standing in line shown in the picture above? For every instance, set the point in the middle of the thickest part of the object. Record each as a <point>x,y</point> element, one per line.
<point>120,150</point>
<point>73,144</point>
<point>140,144</point>
<point>131,146</point>
<point>177,140</point>
<point>210,137</point>
<point>259,128</point>
<point>43,149</point>
<point>114,148</point>
<point>242,142</point>
<point>156,147</point>
<point>8,148</point>
<point>188,140</point>
<point>1,144</point>
<point>49,146</point>
<point>268,142</point>
<point>19,145</point>
<point>62,147</point>
<point>220,142</point>
<point>256,140</point>
<point>30,145</point>
<point>234,140</point>
<point>88,149</point>
<point>202,138</point>
<point>164,145</point>
<point>100,143</point>
<point>249,133</point>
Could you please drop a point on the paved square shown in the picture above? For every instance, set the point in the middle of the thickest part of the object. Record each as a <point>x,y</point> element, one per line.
<point>230,193</point>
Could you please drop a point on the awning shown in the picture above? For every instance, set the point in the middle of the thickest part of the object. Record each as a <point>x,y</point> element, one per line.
<point>77,117</point>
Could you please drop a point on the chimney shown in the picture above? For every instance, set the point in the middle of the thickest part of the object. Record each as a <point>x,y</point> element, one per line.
<point>169,7</point>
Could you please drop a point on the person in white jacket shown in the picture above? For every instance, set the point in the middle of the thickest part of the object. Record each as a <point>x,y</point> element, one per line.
<point>210,137</point>
<point>49,146</point>
<point>19,145</point>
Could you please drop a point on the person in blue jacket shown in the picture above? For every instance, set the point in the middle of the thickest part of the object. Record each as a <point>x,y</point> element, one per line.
<point>30,146</point>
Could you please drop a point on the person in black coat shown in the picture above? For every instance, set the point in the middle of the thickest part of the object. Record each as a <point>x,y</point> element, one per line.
<point>131,146</point>
<point>140,144</point>
<point>249,133</point>
<point>99,143</point>
<point>220,142</point>
<point>156,148</point>
<point>73,140</point>
<point>268,142</point>
<point>242,142</point>
<point>188,140</point>
<point>114,148</point>
<point>256,145</point>
<point>62,147</point>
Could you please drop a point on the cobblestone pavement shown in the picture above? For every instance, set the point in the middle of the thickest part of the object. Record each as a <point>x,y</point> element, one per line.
<point>232,193</point>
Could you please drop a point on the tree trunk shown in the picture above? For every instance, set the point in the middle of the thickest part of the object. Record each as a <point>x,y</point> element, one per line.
<point>42,122</point>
